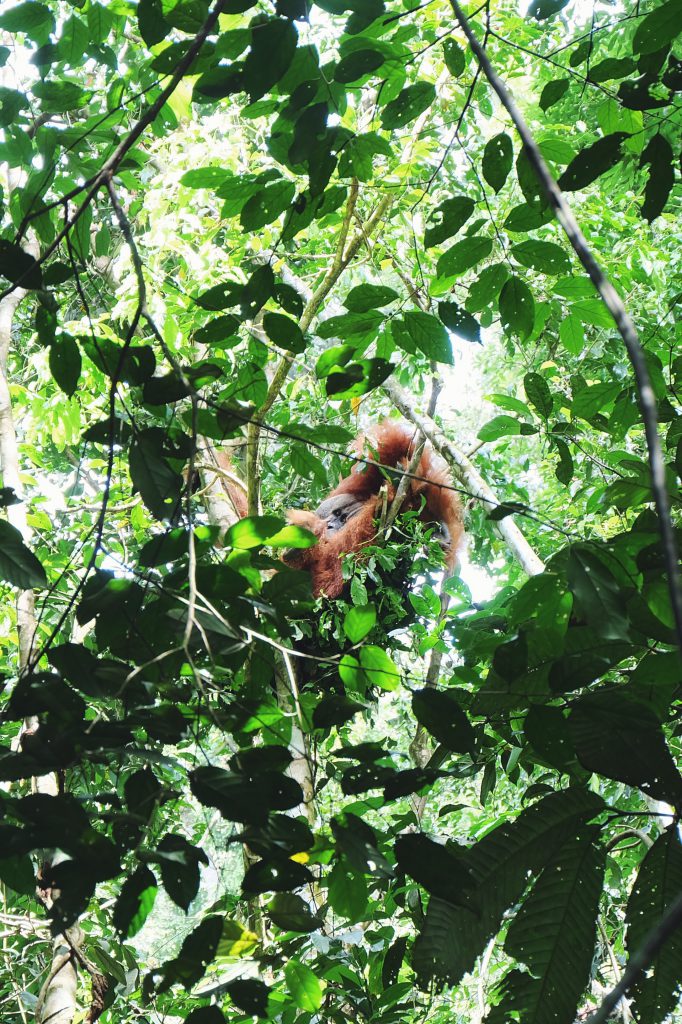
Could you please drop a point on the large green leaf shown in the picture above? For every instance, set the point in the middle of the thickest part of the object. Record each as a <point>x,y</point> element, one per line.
<point>18,565</point>
<point>303,984</point>
<point>619,736</point>
<point>657,886</point>
<point>553,934</point>
<point>546,257</point>
<point>498,157</point>
<point>240,798</point>
<point>517,308</point>
<point>447,219</point>
<point>464,255</point>
<point>592,161</point>
<point>440,713</point>
<point>502,864</point>
<point>411,102</point>
<point>429,336</point>
<point>657,29</point>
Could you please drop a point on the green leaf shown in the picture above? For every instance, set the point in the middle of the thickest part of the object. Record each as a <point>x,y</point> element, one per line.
<point>18,565</point>
<point>546,729</point>
<point>442,871</point>
<point>447,219</point>
<point>503,863</point>
<point>517,308</point>
<point>179,862</point>
<point>545,257</point>
<point>538,393</point>
<point>159,484</point>
<point>65,363</point>
<point>357,157</point>
<point>347,893</point>
<point>152,24</point>
<point>358,378</point>
<point>528,216</point>
<point>245,798</point>
<point>592,161</point>
<point>358,64</point>
<point>250,995</point>
<point>409,104</point>
<point>592,399</point>
<point>18,266</point>
<point>657,886</point>
<point>657,29</point>
<point>498,157</point>
<point>499,426</point>
<point>463,255</point>
<point>429,335</point>
<point>487,287</point>
<point>593,311</point>
<point>291,913</point>
<point>658,154</point>
<point>205,1015</point>
<point>572,334</point>
<point>284,331</point>
<point>598,596</point>
<point>612,68</point>
<point>273,46</point>
<point>440,713</point>
<point>378,668</point>
<point>135,902</point>
<point>457,320</point>
<point>59,96</point>
<point>305,988</point>
<point>565,471</point>
<point>553,934</point>
<point>34,19</point>
<point>553,92</point>
<point>267,205</point>
<point>350,324</point>
<point>197,951</point>
<point>18,874</point>
<point>257,531</point>
<point>620,737</point>
<point>454,58</point>
<point>369,296</point>
<point>359,621</point>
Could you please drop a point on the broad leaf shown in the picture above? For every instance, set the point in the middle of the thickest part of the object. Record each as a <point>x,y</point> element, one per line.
<point>18,565</point>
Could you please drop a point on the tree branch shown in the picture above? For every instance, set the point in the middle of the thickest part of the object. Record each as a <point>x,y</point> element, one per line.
<point>614,304</point>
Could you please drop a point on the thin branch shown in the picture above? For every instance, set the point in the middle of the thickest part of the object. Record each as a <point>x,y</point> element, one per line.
<point>344,253</point>
<point>615,306</point>
<point>474,483</point>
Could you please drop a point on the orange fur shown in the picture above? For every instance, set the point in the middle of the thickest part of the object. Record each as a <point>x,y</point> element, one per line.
<point>358,494</point>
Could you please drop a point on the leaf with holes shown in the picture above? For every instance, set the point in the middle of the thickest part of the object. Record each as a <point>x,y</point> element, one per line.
<point>517,308</point>
<point>408,105</point>
<point>545,257</point>
<point>457,320</point>
<point>592,161</point>
<point>498,156</point>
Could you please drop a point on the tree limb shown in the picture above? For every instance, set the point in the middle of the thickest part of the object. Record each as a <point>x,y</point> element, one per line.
<point>615,306</point>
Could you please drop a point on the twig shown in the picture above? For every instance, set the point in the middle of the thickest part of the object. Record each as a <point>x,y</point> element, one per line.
<point>614,304</point>
<point>615,967</point>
